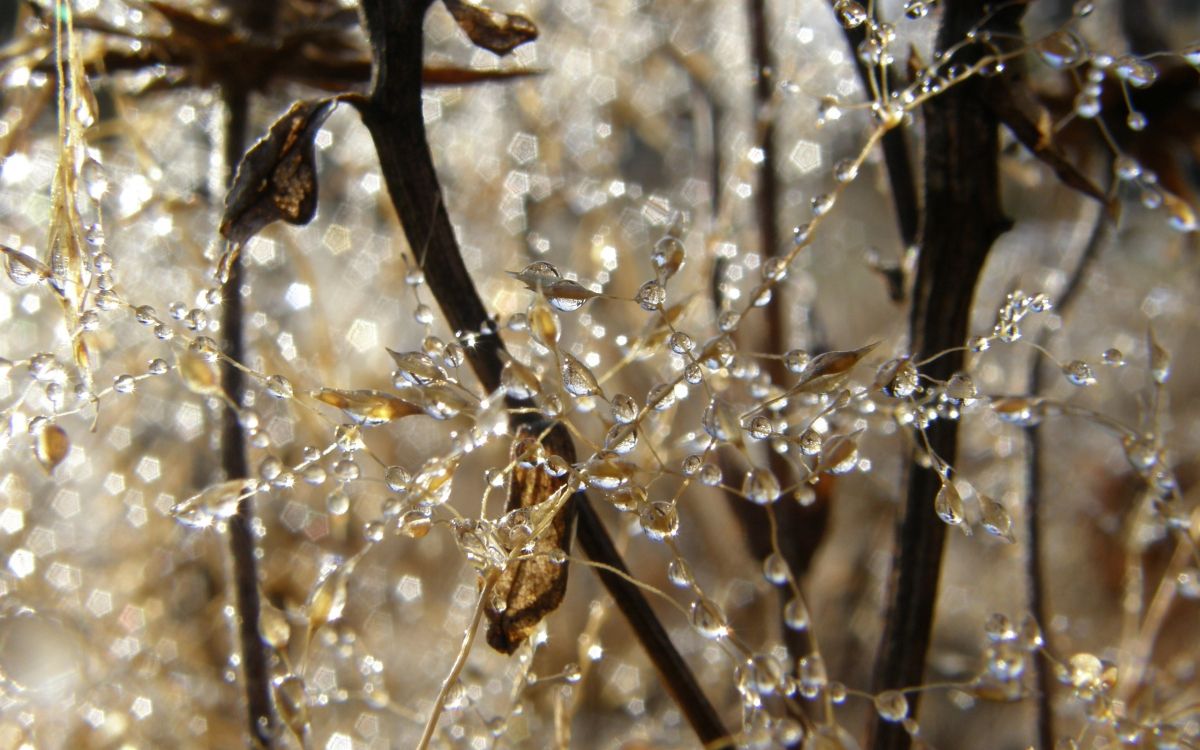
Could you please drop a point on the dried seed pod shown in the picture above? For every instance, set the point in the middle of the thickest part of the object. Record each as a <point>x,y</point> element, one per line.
<point>51,447</point>
<point>533,587</point>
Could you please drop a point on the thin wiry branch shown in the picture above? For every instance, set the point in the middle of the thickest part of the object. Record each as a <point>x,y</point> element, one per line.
<point>392,114</point>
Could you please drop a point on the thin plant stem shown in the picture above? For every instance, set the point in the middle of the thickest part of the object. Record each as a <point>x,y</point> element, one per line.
<point>460,661</point>
<point>242,541</point>
<point>393,116</point>
<point>962,218</point>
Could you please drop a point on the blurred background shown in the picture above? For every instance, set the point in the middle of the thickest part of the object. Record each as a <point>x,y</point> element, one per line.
<point>636,121</point>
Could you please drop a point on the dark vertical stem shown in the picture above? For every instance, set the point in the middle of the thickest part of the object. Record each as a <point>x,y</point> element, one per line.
<point>962,218</point>
<point>678,678</point>
<point>392,114</point>
<point>242,542</point>
<point>1035,446</point>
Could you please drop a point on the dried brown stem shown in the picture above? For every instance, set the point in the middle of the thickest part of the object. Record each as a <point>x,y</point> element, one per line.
<point>392,114</point>
<point>1035,486</point>
<point>242,541</point>
<point>962,218</point>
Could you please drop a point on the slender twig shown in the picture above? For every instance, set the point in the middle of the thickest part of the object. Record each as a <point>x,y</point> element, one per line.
<point>678,678</point>
<point>460,661</point>
<point>242,540</point>
<point>392,114</point>
<point>895,148</point>
<point>962,218</point>
<point>1035,483</point>
<point>801,528</point>
<point>256,17</point>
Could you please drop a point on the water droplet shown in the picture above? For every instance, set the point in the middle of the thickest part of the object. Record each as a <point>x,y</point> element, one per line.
<point>708,618</point>
<point>157,366</point>
<point>1079,373</point>
<point>891,705</point>
<point>414,524</point>
<point>917,9</point>
<point>828,110</point>
<point>845,170</point>
<point>124,384</point>
<point>823,203</point>
<point>204,348</point>
<point>577,379</point>
<point>337,502</point>
<point>796,360</point>
<point>995,518</point>
<point>621,438</point>
<point>1180,215</point>
<point>720,422</point>
<point>850,13</point>
<point>680,343</point>
<point>813,676</point>
<point>760,486</point>
<point>710,475</point>
<point>651,296</point>
<point>948,504</point>
<point>1135,71</point>
<point>518,381</point>
<point>667,257</point>
<point>1062,49</point>
<point>997,627</point>
<point>659,520</point>
<point>608,474</point>
<point>279,386</point>
<point>679,574</point>
<point>760,428</point>
<point>145,315</point>
<point>795,614</point>
<point>898,378</point>
<point>624,408</point>
<point>661,397</point>
<point>728,321</point>
<point>775,569</point>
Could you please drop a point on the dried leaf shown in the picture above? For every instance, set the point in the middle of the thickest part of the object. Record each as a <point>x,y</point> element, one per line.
<point>83,361</point>
<point>418,368</point>
<point>23,269</point>
<point>543,326</point>
<point>367,407</point>
<point>214,503</point>
<point>490,29</point>
<point>199,375</point>
<point>840,454</point>
<point>327,602</point>
<point>531,588</point>
<point>1031,123</point>
<point>826,371</point>
<point>277,179</point>
<point>51,447</point>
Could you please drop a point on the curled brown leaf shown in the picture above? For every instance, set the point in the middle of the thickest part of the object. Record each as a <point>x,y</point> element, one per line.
<point>532,587</point>
<point>490,29</point>
<point>277,179</point>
